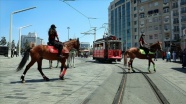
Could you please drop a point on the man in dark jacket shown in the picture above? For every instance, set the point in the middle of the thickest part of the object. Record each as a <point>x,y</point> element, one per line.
<point>52,35</point>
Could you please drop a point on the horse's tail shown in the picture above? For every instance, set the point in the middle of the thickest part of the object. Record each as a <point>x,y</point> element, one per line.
<point>125,58</point>
<point>24,60</point>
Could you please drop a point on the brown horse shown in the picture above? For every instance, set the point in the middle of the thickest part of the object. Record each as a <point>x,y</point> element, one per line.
<point>40,52</point>
<point>135,52</point>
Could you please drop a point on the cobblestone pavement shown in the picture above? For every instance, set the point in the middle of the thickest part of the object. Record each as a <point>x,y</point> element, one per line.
<point>78,84</point>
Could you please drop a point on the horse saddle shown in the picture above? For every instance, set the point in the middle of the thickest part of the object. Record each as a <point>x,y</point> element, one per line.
<point>52,49</point>
<point>143,52</point>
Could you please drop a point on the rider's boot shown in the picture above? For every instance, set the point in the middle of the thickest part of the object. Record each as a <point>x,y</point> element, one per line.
<point>60,53</point>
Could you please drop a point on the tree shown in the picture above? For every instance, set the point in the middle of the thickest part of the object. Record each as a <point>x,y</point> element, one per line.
<point>13,44</point>
<point>26,45</point>
<point>3,41</point>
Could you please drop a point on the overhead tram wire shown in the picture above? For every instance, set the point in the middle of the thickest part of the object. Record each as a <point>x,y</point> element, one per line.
<point>78,11</point>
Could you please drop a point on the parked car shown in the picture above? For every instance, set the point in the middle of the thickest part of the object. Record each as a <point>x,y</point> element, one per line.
<point>4,51</point>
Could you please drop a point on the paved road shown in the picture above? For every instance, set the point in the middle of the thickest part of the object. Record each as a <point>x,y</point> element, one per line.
<point>82,82</point>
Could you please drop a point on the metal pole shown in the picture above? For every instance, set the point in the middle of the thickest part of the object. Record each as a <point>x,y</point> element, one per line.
<point>10,37</point>
<point>19,41</point>
<point>20,28</point>
<point>68,32</point>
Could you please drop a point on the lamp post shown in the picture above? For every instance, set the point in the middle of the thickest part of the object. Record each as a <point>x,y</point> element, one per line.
<point>41,41</point>
<point>68,32</point>
<point>10,35</point>
<point>20,37</point>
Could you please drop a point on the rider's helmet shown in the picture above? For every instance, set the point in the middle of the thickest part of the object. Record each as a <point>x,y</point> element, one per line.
<point>53,26</point>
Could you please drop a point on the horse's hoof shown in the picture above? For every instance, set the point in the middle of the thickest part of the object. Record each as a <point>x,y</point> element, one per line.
<point>46,78</point>
<point>154,70</point>
<point>62,78</point>
<point>22,79</point>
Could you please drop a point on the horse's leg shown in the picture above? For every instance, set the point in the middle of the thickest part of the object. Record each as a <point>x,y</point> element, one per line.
<point>63,72</point>
<point>129,64</point>
<point>50,64</point>
<point>132,66</point>
<point>154,66</point>
<point>39,62</point>
<point>73,61</point>
<point>149,65</point>
<point>57,63</point>
<point>26,69</point>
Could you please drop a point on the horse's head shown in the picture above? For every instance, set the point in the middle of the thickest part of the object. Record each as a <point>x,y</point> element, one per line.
<point>73,43</point>
<point>157,46</point>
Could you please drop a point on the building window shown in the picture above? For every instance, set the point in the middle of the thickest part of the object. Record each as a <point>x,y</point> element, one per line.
<point>135,15</point>
<point>150,28</point>
<point>165,1</point>
<point>142,15</point>
<point>135,29</point>
<point>135,36</point>
<point>134,8</point>
<point>155,19</point>
<point>183,10</point>
<point>166,27</point>
<point>135,22</point>
<point>166,19</point>
<point>156,4</point>
<point>176,28</point>
<point>134,1</point>
<point>175,5</point>
<point>183,18</point>
<point>155,36</point>
<point>155,27</point>
<point>150,37</point>
<point>165,10</point>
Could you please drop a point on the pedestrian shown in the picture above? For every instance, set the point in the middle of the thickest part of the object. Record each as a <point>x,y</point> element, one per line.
<point>15,51</point>
<point>163,55</point>
<point>174,56</point>
<point>168,57</point>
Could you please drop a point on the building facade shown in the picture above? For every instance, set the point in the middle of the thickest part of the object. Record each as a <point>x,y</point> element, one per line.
<point>31,37</point>
<point>160,20</point>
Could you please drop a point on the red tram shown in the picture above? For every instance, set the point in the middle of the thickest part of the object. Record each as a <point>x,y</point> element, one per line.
<point>107,49</point>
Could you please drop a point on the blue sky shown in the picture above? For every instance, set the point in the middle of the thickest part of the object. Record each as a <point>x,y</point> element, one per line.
<point>56,12</point>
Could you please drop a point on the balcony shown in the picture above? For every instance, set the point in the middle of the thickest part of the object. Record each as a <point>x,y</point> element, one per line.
<point>166,30</point>
<point>165,4</point>
<point>141,10</point>
<point>141,25</point>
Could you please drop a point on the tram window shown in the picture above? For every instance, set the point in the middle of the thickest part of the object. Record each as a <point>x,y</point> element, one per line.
<point>115,45</point>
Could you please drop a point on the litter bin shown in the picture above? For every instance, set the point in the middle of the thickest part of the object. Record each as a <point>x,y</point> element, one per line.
<point>184,61</point>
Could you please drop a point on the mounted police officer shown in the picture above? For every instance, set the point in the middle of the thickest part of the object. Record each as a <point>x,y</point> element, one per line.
<point>52,35</point>
<point>142,43</point>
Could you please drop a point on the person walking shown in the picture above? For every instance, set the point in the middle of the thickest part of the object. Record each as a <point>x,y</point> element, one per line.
<point>174,56</point>
<point>168,57</point>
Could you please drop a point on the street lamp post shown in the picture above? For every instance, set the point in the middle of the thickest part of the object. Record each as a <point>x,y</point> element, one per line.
<point>20,37</point>
<point>68,32</point>
<point>10,35</point>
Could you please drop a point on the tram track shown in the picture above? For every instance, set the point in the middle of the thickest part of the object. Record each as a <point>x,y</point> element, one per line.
<point>120,93</point>
<point>161,98</point>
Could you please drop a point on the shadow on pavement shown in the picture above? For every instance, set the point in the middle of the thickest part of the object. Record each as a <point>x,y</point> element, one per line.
<point>35,81</point>
<point>183,70</point>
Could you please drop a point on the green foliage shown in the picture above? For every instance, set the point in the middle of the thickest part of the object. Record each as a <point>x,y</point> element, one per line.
<point>3,41</point>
